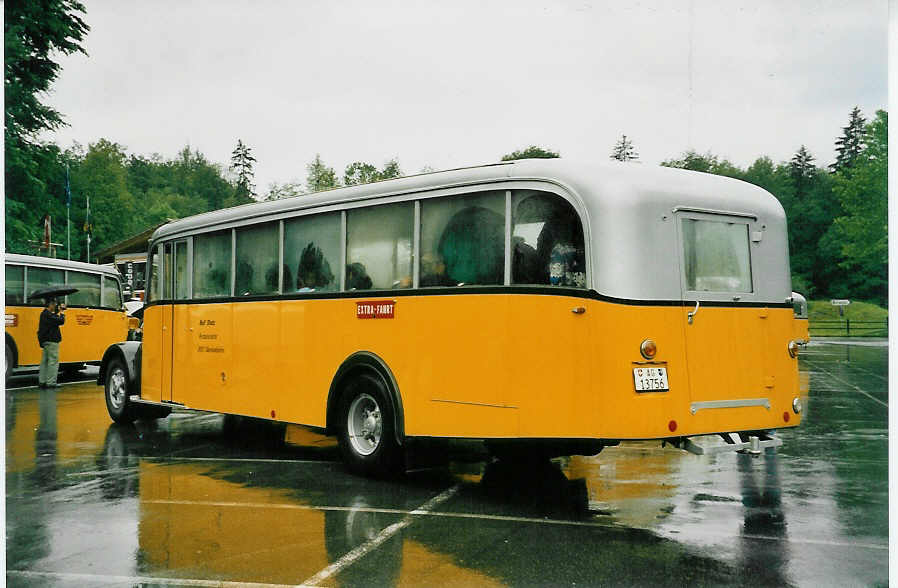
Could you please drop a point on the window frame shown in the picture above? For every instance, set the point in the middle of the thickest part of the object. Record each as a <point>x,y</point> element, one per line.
<point>748,221</point>
<point>415,197</point>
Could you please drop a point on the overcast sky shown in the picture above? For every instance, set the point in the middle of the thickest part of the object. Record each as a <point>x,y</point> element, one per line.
<point>445,84</point>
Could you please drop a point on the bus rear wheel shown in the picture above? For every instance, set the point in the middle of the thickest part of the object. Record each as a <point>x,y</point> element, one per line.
<point>118,405</point>
<point>367,436</point>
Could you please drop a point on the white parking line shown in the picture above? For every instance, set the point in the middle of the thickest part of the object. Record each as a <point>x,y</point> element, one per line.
<point>94,579</point>
<point>427,510</point>
<point>360,551</point>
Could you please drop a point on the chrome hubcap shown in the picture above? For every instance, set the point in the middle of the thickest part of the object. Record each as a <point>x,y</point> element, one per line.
<point>364,424</point>
<point>117,388</point>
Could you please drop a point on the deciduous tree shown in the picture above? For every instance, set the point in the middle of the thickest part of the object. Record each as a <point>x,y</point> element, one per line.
<point>531,152</point>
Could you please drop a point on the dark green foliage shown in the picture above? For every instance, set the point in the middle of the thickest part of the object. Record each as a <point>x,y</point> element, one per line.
<point>242,164</point>
<point>707,163</point>
<point>320,177</point>
<point>851,144</point>
<point>33,33</point>
<point>360,172</point>
<point>531,152</point>
<point>860,233</point>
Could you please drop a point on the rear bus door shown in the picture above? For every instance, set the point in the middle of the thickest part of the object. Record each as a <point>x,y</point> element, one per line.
<point>726,336</point>
<point>180,333</point>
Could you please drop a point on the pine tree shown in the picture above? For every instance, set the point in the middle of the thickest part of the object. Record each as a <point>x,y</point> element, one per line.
<point>851,144</point>
<point>802,171</point>
<point>320,177</point>
<point>624,150</point>
<point>242,165</point>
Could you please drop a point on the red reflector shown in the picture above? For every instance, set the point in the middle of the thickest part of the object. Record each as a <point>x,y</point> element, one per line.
<point>786,416</point>
<point>272,414</point>
<point>672,425</point>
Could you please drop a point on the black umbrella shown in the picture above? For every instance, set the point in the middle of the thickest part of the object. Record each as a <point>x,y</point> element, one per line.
<point>53,292</point>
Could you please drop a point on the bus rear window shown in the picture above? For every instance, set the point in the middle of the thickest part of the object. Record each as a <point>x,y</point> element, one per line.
<point>716,255</point>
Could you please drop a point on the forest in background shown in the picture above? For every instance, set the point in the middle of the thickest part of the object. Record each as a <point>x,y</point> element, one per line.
<point>837,213</point>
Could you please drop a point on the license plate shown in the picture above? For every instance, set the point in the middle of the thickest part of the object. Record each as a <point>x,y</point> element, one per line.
<point>650,379</point>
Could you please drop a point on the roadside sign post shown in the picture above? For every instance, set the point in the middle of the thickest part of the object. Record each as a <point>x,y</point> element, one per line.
<point>841,303</point>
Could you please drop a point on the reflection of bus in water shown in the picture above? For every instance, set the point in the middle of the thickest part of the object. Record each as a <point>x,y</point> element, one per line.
<point>94,319</point>
<point>542,305</point>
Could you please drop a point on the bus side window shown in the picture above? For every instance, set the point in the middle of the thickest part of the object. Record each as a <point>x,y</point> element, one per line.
<point>379,246</point>
<point>257,259</point>
<point>112,294</point>
<point>212,264</point>
<point>463,240</point>
<point>312,253</point>
<point>42,277</point>
<point>547,241</point>
<point>15,284</point>
<point>88,285</point>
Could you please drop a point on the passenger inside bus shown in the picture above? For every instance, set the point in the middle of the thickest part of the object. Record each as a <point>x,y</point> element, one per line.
<point>314,271</point>
<point>558,258</point>
<point>472,246</point>
<point>357,277</point>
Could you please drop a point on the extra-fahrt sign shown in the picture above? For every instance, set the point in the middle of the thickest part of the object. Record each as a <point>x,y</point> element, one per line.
<point>838,302</point>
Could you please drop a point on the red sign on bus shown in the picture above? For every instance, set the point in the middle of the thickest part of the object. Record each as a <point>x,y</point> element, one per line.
<point>375,309</point>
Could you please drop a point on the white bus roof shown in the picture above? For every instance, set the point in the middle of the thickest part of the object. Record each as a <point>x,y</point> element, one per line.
<point>64,264</point>
<point>627,210</point>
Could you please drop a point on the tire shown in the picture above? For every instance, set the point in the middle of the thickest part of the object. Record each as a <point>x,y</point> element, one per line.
<point>367,436</point>
<point>10,359</point>
<point>120,408</point>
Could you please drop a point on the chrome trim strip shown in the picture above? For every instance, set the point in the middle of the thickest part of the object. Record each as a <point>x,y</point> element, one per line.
<point>712,211</point>
<point>697,406</point>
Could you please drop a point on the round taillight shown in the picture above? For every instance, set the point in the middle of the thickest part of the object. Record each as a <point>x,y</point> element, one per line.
<point>786,417</point>
<point>792,347</point>
<point>648,349</point>
<point>672,426</point>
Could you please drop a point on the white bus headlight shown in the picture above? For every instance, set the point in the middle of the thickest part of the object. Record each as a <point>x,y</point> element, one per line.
<point>796,405</point>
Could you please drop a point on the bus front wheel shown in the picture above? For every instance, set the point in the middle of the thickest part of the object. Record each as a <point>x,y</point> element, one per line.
<point>117,403</point>
<point>367,437</point>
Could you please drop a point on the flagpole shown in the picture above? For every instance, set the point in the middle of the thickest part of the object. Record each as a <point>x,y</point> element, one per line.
<point>68,208</point>
<point>88,229</point>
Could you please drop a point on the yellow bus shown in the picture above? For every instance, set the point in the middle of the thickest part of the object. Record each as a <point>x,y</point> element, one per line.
<point>545,306</point>
<point>95,318</point>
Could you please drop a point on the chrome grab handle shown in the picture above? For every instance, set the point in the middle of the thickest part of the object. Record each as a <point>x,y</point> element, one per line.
<point>692,314</point>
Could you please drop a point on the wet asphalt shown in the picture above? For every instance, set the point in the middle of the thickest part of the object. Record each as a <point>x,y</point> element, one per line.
<point>200,500</point>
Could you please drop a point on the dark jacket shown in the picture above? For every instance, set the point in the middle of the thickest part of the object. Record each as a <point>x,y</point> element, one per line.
<point>48,329</point>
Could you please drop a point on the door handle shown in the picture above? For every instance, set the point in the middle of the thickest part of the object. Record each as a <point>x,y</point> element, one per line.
<point>691,316</point>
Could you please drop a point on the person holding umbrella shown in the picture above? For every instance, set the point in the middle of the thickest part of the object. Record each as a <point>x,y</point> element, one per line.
<point>48,335</point>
